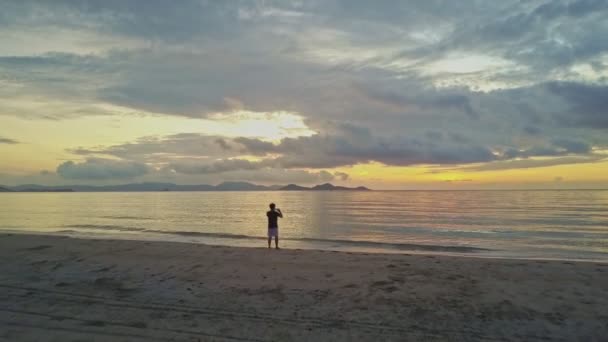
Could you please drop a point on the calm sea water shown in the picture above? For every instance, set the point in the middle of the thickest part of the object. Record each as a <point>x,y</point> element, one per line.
<point>526,224</point>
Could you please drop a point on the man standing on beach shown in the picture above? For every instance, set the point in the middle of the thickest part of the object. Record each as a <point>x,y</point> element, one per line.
<point>273,224</point>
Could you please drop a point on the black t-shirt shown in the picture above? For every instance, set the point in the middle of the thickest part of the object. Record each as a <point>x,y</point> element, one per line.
<point>273,217</point>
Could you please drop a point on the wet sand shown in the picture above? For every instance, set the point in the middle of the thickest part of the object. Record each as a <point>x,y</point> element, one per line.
<point>63,289</point>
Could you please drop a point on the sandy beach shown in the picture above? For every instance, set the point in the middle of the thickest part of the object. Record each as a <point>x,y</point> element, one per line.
<point>65,289</point>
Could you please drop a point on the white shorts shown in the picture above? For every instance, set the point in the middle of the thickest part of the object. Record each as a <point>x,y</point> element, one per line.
<point>273,232</point>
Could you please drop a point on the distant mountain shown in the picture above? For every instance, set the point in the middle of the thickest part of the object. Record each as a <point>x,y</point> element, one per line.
<point>240,186</point>
<point>293,187</point>
<point>40,188</point>
<point>48,190</point>
<point>327,187</point>
<point>322,187</point>
<point>226,186</point>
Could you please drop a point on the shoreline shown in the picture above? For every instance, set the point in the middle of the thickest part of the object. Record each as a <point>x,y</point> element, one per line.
<point>61,288</point>
<point>196,238</point>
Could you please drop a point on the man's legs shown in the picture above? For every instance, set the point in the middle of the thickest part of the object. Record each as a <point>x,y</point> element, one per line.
<point>276,242</point>
<point>269,240</point>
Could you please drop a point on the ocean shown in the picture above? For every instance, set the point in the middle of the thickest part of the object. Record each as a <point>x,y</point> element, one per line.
<point>552,224</point>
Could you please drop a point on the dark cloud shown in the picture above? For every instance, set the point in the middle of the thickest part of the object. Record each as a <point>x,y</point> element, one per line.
<point>260,171</point>
<point>533,163</point>
<point>102,169</point>
<point>435,135</point>
<point>534,151</point>
<point>166,149</point>
<point>587,103</point>
<point>348,148</point>
<point>430,99</point>
<point>342,175</point>
<point>572,146</point>
<point>532,130</point>
<point>554,148</point>
<point>156,20</point>
<point>458,137</point>
<point>189,167</point>
<point>256,146</point>
<point>347,145</point>
<point>545,36</point>
<point>339,145</point>
<point>577,8</point>
<point>194,68</point>
<point>223,144</point>
<point>281,176</point>
<point>8,141</point>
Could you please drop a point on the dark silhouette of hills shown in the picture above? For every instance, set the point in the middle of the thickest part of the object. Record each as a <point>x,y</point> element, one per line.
<point>294,187</point>
<point>226,186</point>
<point>240,186</point>
<point>323,187</point>
<point>46,190</point>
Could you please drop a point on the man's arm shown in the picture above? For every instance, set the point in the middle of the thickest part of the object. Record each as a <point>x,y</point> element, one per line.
<point>280,213</point>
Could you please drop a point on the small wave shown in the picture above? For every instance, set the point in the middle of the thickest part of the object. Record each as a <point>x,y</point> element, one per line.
<point>354,243</point>
<point>127,217</point>
<point>552,233</point>
<point>105,227</point>
<point>339,242</point>
<point>66,231</point>
<point>399,246</point>
<point>203,234</point>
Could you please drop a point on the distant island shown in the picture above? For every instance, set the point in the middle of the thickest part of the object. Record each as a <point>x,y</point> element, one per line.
<point>322,187</point>
<point>43,190</point>
<point>134,187</point>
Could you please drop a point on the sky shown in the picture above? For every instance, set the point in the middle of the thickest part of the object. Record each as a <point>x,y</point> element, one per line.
<point>434,94</point>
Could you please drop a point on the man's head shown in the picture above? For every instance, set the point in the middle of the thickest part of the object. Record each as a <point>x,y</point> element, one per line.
<point>272,206</point>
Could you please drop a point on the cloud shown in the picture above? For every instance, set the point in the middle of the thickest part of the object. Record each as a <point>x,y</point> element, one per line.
<point>342,175</point>
<point>557,147</point>
<point>157,20</point>
<point>572,146</point>
<point>228,166</point>
<point>520,32</point>
<point>281,176</point>
<point>532,130</point>
<point>532,163</point>
<point>587,103</point>
<point>166,149</point>
<point>458,180</point>
<point>430,99</point>
<point>399,83</point>
<point>339,145</point>
<point>193,167</point>
<point>190,64</point>
<point>8,141</point>
<point>350,145</point>
<point>223,144</point>
<point>101,169</point>
<point>256,146</point>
